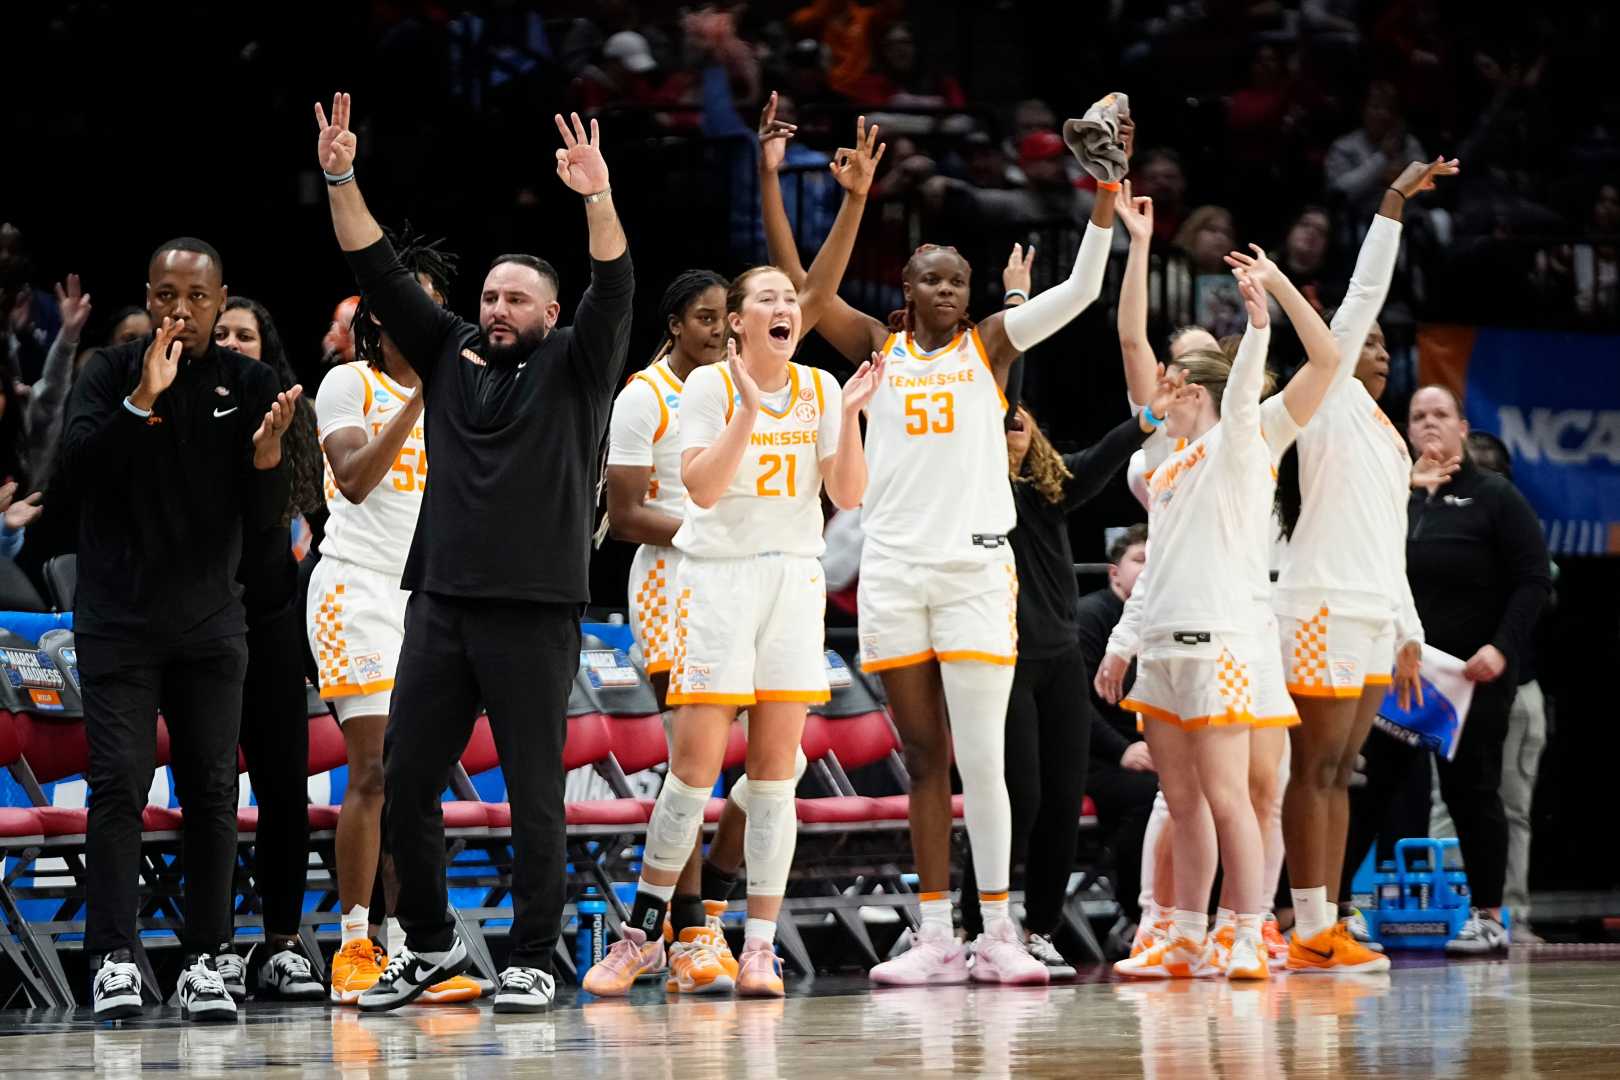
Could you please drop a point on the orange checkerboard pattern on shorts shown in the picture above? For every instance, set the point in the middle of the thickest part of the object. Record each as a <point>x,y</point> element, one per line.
<point>1232,679</point>
<point>652,616</point>
<point>1310,652</point>
<point>332,657</point>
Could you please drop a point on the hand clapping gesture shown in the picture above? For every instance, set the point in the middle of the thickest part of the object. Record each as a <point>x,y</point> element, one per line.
<point>855,168</point>
<point>580,164</point>
<point>861,386</point>
<point>747,388</point>
<point>267,440</point>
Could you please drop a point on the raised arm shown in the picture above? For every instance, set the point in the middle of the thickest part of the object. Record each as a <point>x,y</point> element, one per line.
<point>1310,384</point>
<point>601,328</point>
<point>853,168</point>
<point>1141,367</point>
<point>1240,405</point>
<point>47,400</point>
<point>417,324</point>
<point>581,166</point>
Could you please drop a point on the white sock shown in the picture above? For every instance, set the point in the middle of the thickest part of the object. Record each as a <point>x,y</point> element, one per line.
<point>759,930</point>
<point>993,912</point>
<point>1157,913</point>
<point>1247,928</point>
<point>356,924</point>
<point>663,892</point>
<point>976,696</point>
<point>936,912</point>
<point>1312,915</point>
<point>1224,917</point>
<point>1192,925</point>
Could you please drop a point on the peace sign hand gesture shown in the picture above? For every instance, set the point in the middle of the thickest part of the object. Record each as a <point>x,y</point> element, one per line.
<point>854,169</point>
<point>336,144</point>
<point>579,163</point>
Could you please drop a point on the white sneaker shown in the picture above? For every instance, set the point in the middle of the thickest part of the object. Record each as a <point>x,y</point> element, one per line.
<point>232,970</point>
<point>1041,948</point>
<point>999,957</point>
<point>117,987</point>
<point>1481,934</point>
<point>1355,924</point>
<point>1247,959</point>
<point>935,958</point>
<point>283,975</point>
<point>201,992</point>
<point>525,990</point>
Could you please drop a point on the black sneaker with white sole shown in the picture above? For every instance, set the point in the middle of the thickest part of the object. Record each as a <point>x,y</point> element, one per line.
<point>410,973</point>
<point>1041,948</point>
<point>525,990</point>
<point>1481,935</point>
<point>117,986</point>
<point>201,992</point>
<point>283,973</point>
<point>232,970</point>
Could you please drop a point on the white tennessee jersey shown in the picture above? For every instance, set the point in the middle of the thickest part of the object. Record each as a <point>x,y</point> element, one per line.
<point>645,432</point>
<point>1349,546</point>
<point>936,455</point>
<point>377,532</point>
<point>773,503</point>
<point>1208,517</point>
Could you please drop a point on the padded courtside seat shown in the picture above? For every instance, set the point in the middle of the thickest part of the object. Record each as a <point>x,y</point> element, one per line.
<point>20,824</point>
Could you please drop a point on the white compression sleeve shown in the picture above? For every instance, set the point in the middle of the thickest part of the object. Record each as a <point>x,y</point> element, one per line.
<point>976,696</point>
<point>772,833</point>
<point>676,821</point>
<point>1033,322</point>
<point>739,790</point>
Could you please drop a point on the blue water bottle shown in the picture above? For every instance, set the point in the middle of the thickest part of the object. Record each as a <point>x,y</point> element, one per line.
<point>591,942</point>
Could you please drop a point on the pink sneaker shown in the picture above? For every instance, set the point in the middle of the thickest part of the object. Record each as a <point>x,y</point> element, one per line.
<point>627,959</point>
<point>934,959</point>
<point>759,972</point>
<point>1000,957</point>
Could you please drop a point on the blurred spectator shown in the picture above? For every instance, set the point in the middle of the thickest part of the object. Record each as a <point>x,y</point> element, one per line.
<point>1205,238</point>
<point>15,517</point>
<point>129,324</point>
<point>1361,164</point>
<point>628,76</point>
<point>711,38</point>
<point>337,347</point>
<point>847,30</point>
<point>802,74</point>
<point>1157,173</point>
<point>46,403</point>
<point>492,50</point>
<point>32,319</point>
<point>899,80</point>
<point>1586,274</point>
<point>1049,197</point>
<point>1416,44</point>
<point>1306,258</point>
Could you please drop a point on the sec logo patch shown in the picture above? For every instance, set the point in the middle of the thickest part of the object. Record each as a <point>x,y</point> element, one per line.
<point>806,414</point>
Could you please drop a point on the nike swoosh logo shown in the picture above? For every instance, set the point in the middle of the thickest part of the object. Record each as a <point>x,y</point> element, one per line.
<point>225,412</point>
<point>1319,954</point>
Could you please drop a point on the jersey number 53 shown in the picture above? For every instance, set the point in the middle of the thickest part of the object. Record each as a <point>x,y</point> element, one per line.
<point>935,412</point>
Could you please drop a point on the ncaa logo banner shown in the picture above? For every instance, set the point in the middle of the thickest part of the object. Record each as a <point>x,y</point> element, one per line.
<point>1554,399</point>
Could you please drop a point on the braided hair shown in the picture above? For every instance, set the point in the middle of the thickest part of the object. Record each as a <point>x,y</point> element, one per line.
<point>301,445</point>
<point>1043,466</point>
<point>904,320</point>
<point>678,299</point>
<point>418,256</point>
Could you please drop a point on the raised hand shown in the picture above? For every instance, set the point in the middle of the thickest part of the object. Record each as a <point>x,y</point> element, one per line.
<point>1431,471</point>
<point>1259,269</point>
<point>854,169</point>
<point>1254,299</point>
<point>19,515</point>
<point>1016,274</point>
<point>161,362</point>
<point>336,144</point>
<point>1136,211</point>
<point>1420,175</point>
<point>1408,677</point>
<point>1165,391</point>
<point>580,164</point>
<point>861,386</point>
<point>75,307</point>
<point>267,440</point>
<point>773,137</point>
<point>1110,680</point>
<point>747,388</point>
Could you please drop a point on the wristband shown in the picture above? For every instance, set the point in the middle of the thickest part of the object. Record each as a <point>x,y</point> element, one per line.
<point>1153,421</point>
<point>339,179</point>
<point>598,196</point>
<point>1399,192</point>
<point>144,414</point>
<point>1020,293</point>
<point>1107,185</point>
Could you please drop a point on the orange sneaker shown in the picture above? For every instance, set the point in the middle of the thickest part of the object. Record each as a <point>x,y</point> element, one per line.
<point>627,960</point>
<point>694,964</point>
<point>354,971</point>
<point>1334,951</point>
<point>1149,935</point>
<point>1177,958</point>
<point>760,973</point>
<point>715,909</point>
<point>1276,945</point>
<point>454,989</point>
<point>1246,959</point>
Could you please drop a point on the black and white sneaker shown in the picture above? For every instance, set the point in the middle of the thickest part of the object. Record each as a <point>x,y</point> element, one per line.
<point>1041,948</point>
<point>201,992</point>
<point>1355,924</point>
<point>284,974</point>
<point>409,973</point>
<point>117,986</point>
<point>232,971</point>
<point>1481,935</point>
<point>525,990</point>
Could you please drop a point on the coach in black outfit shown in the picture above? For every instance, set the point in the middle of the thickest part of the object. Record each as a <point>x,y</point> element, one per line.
<point>171,447</point>
<point>515,412</point>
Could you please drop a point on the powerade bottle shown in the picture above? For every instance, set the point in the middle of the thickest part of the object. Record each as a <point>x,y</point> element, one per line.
<point>591,942</point>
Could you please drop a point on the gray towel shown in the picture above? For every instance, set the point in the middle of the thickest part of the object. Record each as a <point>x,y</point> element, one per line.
<point>1095,138</point>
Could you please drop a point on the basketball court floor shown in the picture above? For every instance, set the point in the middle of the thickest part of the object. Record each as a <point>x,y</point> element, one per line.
<point>1548,1012</point>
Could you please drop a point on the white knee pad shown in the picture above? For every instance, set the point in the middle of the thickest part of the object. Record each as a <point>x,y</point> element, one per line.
<point>676,822</point>
<point>739,790</point>
<point>976,696</point>
<point>772,833</point>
